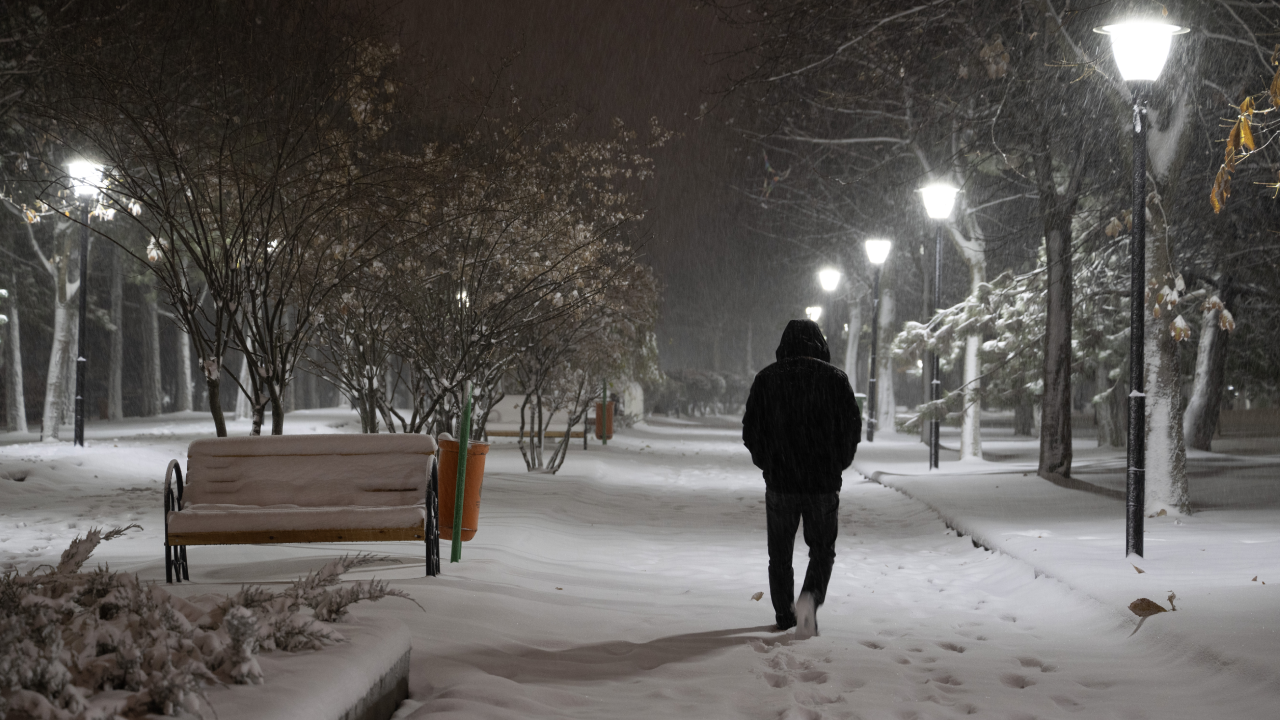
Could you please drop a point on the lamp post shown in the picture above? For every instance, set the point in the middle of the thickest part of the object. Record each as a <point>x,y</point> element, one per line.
<point>1140,48</point>
<point>86,177</point>
<point>877,253</point>
<point>813,312</point>
<point>939,199</point>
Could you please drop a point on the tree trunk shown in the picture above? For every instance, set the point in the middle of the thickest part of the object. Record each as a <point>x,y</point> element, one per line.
<point>1024,419</point>
<point>69,372</point>
<point>277,409</point>
<point>1108,411</point>
<point>1201,417</point>
<point>886,400</point>
<point>289,398</point>
<point>1055,403</point>
<point>152,389</point>
<point>525,449</point>
<point>17,415</point>
<point>115,355</point>
<point>971,419</point>
<point>186,386</point>
<point>1166,456</point>
<point>52,414</point>
<point>851,342</point>
<point>244,407</point>
<point>213,384</point>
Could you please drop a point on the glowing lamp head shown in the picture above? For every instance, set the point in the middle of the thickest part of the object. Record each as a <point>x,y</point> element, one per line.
<point>86,178</point>
<point>939,199</point>
<point>813,313</point>
<point>1141,47</point>
<point>829,279</point>
<point>878,251</point>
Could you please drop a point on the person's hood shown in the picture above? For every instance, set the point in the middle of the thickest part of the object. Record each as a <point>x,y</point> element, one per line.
<point>803,338</point>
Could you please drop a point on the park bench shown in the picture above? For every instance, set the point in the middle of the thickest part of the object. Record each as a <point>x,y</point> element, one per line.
<point>301,489</point>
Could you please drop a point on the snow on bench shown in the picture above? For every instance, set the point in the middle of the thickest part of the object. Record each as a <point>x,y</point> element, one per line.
<point>302,488</point>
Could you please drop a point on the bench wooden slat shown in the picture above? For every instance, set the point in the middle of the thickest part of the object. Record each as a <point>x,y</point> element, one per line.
<point>259,537</point>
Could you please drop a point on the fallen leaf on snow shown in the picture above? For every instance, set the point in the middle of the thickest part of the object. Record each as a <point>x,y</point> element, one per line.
<point>1140,570</point>
<point>1255,579</point>
<point>757,596</point>
<point>1143,608</point>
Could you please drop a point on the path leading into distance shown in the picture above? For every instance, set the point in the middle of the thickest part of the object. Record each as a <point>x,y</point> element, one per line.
<point>622,588</point>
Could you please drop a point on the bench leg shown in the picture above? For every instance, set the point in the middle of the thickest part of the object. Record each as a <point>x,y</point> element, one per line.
<point>168,564</point>
<point>185,575</point>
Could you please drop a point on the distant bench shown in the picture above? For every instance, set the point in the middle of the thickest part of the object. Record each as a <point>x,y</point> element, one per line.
<point>300,489</point>
<point>517,433</point>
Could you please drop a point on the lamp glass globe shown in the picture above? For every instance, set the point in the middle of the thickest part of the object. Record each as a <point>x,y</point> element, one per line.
<point>939,199</point>
<point>86,178</point>
<point>829,279</point>
<point>878,251</point>
<point>1141,47</point>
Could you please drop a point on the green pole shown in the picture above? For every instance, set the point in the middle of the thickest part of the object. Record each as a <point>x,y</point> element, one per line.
<point>460,487</point>
<point>604,412</point>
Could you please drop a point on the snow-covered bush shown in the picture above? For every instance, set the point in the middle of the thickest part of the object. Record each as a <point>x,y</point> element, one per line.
<point>99,644</point>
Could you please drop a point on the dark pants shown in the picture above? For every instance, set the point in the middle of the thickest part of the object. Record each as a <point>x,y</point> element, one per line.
<point>821,521</point>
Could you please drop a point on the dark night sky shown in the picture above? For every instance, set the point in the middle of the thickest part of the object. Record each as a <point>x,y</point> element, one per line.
<point>632,60</point>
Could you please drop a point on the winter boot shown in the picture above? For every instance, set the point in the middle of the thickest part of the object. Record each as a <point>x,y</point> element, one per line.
<point>806,617</point>
<point>784,622</point>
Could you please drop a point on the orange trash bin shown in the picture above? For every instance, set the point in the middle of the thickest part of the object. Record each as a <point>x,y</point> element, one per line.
<point>604,421</point>
<point>448,478</point>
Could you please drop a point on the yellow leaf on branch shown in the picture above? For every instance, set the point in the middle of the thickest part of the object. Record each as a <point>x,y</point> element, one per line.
<point>1221,189</point>
<point>1227,321</point>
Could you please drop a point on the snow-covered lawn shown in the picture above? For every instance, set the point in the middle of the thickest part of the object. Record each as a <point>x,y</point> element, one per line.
<point>622,587</point>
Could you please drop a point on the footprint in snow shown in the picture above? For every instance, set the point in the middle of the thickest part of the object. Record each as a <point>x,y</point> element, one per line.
<point>776,680</point>
<point>1067,703</point>
<point>1030,662</point>
<point>948,680</point>
<point>1014,680</point>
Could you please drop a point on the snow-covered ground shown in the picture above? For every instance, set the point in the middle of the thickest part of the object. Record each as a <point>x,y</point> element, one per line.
<point>622,587</point>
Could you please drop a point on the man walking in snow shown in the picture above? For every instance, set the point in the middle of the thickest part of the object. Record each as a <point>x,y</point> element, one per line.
<point>802,426</point>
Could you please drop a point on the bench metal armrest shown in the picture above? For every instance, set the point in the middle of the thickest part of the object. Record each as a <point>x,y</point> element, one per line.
<point>172,490</point>
<point>433,518</point>
<point>175,558</point>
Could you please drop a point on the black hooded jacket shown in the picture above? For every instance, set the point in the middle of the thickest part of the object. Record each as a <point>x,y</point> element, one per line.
<point>802,423</point>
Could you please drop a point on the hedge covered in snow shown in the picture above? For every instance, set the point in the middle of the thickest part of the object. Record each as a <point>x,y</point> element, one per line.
<point>98,644</point>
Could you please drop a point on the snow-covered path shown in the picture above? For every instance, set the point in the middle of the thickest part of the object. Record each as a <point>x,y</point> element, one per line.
<point>622,588</point>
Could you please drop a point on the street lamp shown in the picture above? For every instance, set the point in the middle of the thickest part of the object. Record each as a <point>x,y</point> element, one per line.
<point>86,178</point>
<point>877,253</point>
<point>813,312</point>
<point>829,279</point>
<point>939,199</point>
<point>1140,48</point>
